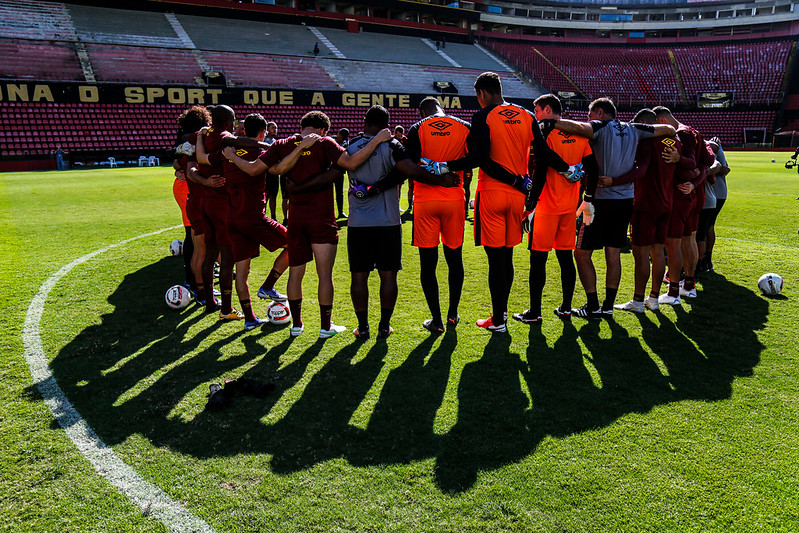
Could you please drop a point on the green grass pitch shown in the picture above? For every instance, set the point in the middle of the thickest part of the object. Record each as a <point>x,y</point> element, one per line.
<point>685,420</point>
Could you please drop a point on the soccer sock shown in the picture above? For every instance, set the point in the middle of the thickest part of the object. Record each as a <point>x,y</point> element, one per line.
<point>200,290</point>
<point>295,306</point>
<point>509,273</point>
<point>363,320</point>
<point>428,259</point>
<point>246,308</point>
<point>227,301</point>
<point>593,301</point>
<point>454,257</point>
<point>385,317</point>
<point>269,284</point>
<point>654,294</point>
<point>674,289</point>
<point>610,298</point>
<point>638,297</point>
<point>568,277</point>
<point>689,283</point>
<point>537,278</point>
<point>497,284</point>
<point>188,252</point>
<point>326,312</point>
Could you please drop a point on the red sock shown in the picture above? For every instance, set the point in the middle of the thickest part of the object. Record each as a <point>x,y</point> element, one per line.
<point>246,308</point>
<point>271,279</point>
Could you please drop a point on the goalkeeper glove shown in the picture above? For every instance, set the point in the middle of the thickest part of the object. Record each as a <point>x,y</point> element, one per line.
<point>527,221</point>
<point>185,149</point>
<point>586,209</point>
<point>361,190</point>
<point>523,183</point>
<point>575,173</point>
<point>434,167</point>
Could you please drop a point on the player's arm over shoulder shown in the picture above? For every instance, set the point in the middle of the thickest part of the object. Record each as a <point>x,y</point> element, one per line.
<point>584,129</point>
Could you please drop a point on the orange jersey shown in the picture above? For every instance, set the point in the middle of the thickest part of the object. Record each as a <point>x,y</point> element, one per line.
<point>510,130</point>
<point>440,138</point>
<point>559,195</point>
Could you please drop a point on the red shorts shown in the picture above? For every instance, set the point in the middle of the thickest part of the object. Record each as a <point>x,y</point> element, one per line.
<point>498,218</point>
<point>699,203</point>
<point>649,228</point>
<point>681,211</point>
<point>249,234</point>
<point>194,211</point>
<point>181,192</point>
<point>558,231</point>
<point>305,231</point>
<point>432,219</point>
<point>215,211</point>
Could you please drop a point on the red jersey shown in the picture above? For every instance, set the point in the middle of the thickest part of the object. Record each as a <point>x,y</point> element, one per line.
<point>440,138</point>
<point>212,141</point>
<point>559,196</point>
<point>654,178</point>
<point>247,193</point>
<point>314,160</point>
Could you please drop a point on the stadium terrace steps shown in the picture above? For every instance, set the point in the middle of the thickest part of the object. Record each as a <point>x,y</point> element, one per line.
<point>369,76</point>
<point>379,47</point>
<point>121,26</point>
<point>270,70</point>
<point>142,64</point>
<point>55,60</point>
<point>35,20</point>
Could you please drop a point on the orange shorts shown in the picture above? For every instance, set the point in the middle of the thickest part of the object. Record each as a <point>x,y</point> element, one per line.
<point>432,219</point>
<point>498,218</point>
<point>181,192</point>
<point>553,231</point>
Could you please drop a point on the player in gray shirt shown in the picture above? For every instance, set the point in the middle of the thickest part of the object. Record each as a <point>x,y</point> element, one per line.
<point>374,234</point>
<point>614,143</point>
<point>720,192</point>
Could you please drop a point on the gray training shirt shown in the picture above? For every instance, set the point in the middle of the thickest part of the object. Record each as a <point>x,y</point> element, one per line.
<point>614,144</point>
<point>720,187</point>
<point>383,209</point>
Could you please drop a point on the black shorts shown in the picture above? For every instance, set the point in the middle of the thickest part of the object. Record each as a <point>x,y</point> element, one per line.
<point>609,228</point>
<point>707,219</point>
<point>377,247</point>
<point>271,185</point>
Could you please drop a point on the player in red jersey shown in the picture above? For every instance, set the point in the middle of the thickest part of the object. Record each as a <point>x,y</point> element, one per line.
<point>554,200</point>
<point>312,230</point>
<point>499,143</point>
<point>215,207</point>
<point>439,213</point>
<point>248,226</point>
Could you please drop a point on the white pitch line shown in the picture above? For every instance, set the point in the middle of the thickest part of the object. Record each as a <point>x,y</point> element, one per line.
<point>149,498</point>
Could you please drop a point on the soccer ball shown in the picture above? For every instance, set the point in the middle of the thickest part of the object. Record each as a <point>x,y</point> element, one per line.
<point>177,297</point>
<point>278,313</point>
<point>471,203</point>
<point>176,247</point>
<point>770,284</point>
<point>773,160</point>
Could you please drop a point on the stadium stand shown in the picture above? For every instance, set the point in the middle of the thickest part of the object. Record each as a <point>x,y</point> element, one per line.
<point>55,60</point>
<point>143,64</point>
<point>270,70</point>
<point>35,20</point>
<point>117,26</point>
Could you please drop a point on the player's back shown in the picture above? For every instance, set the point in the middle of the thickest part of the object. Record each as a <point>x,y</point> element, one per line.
<point>213,141</point>
<point>442,138</point>
<point>511,130</point>
<point>246,193</point>
<point>615,143</point>
<point>654,191</point>
<point>559,195</point>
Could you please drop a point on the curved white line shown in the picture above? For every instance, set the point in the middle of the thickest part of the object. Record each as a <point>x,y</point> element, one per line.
<point>149,498</point>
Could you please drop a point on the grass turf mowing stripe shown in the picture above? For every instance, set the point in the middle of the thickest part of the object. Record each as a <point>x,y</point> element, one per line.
<point>149,498</point>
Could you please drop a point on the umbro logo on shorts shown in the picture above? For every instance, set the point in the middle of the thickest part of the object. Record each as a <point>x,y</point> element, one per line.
<point>439,125</point>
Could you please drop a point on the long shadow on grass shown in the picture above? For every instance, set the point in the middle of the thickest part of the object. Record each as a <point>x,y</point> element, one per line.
<point>127,375</point>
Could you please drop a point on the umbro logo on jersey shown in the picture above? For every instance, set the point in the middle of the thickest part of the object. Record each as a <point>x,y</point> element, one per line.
<point>621,129</point>
<point>440,125</point>
<point>241,152</point>
<point>668,142</point>
<point>567,138</point>
<point>510,114</point>
<point>564,134</point>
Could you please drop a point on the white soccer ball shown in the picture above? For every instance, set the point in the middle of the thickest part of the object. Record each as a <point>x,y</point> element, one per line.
<point>176,247</point>
<point>278,313</point>
<point>773,160</point>
<point>177,297</point>
<point>471,203</point>
<point>770,284</point>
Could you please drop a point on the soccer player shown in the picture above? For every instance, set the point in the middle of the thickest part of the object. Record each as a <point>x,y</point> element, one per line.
<point>653,176</point>
<point>215,208</point>
<point>685,213</point>
<point>439,214</point>
<point>555,201</point>
<point>614,144</point>
<point>312,232</point>
<point>374,238</point>
<point>248,226</point>
<point>399,135</point>
<point>272,180</point>
<point>499,143</point>
<point>720,190</point>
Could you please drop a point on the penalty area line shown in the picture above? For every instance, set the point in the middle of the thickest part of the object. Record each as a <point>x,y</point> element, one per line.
<point>146,496</point>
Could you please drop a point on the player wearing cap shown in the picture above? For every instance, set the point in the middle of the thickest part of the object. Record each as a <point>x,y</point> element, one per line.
<point>312,233</point>
<point>555,200</point>
<point>499,143</point>
<point>614,143</point>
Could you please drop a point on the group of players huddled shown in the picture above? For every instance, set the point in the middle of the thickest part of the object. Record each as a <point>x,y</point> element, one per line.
<point>654,174</point>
